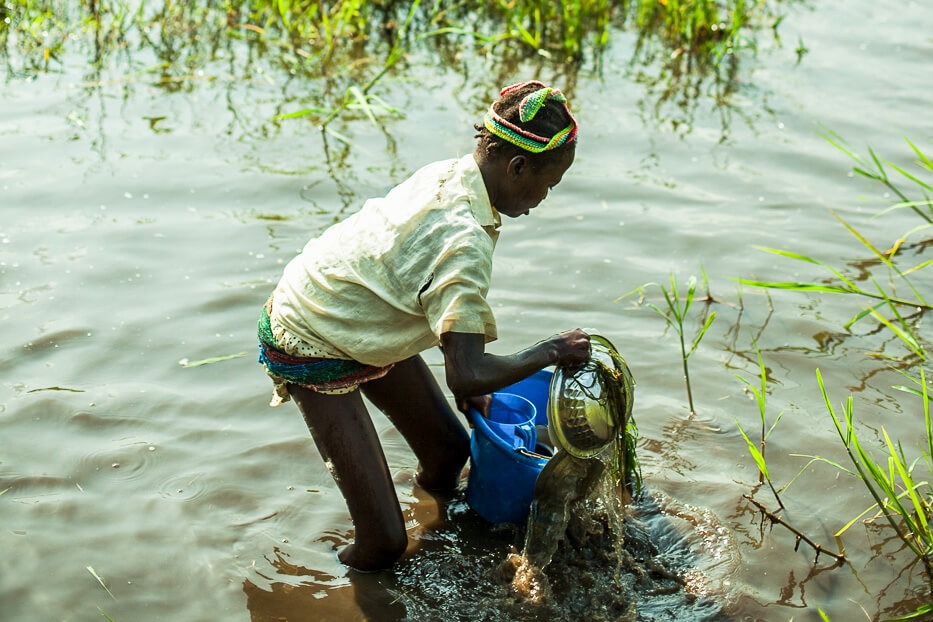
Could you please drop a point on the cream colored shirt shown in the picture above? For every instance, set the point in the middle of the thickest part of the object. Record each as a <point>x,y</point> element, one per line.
<point>387,282</point>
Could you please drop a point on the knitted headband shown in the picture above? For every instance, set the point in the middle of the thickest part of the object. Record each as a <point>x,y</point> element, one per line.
<point>528,108</point>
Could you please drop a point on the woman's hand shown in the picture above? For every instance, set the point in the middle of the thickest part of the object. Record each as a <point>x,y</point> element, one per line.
<point>480,403</point>
<point>571,348</point>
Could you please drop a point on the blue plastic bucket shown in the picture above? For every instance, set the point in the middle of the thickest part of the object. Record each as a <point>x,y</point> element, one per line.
<point>512,419</point>
<point>502,475</point>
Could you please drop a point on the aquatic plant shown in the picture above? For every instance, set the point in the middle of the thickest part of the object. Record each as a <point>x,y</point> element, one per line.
<point>758,451</point>
<point>905,502</point>
<point>903,312</point>
<point>899,484</point>
<point>696,27</point>
<point>675,314</point>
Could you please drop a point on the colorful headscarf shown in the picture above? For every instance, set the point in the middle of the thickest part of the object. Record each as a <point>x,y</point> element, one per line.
<point>528,108</point>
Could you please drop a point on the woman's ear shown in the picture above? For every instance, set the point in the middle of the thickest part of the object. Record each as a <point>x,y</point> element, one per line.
<point>517,166</point>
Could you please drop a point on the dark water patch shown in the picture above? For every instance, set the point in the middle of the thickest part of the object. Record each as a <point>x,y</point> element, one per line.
<point>97,421</point>
<point>56,340</point>
<point>14,485</point>
<point>459,571</point>
<point>229,299</point>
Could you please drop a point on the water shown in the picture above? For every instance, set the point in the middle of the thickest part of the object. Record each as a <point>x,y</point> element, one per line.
<point>145,222</point>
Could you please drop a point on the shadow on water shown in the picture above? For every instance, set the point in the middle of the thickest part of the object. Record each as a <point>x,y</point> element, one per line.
<point>458,569</point>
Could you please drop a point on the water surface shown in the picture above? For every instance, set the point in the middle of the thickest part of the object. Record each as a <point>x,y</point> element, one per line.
<point>143,226</point>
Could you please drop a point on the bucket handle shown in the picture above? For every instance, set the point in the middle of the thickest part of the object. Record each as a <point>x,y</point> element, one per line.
<point>530,454</point>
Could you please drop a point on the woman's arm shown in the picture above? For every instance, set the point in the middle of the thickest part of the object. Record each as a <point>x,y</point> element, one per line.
<point>470,371</point>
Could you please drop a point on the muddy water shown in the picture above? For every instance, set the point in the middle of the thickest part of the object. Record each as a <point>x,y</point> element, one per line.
<point>143,226</point>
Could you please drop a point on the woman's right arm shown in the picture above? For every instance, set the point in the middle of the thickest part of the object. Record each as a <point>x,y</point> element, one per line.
<point>471,371</point>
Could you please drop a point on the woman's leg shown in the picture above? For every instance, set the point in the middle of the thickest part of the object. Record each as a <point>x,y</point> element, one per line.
<point>347,440</point>
<point>411,398</point>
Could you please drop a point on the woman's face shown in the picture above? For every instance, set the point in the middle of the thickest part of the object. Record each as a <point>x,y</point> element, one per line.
<point>527,185</point>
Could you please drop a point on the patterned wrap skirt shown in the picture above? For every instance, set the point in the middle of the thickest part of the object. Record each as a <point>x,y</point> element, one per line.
<point>322,374</point>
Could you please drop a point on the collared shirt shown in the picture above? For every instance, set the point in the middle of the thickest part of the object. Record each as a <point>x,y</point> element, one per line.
<point>387,282</point>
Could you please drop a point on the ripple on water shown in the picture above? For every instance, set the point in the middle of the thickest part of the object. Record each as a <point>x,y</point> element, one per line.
<point>130,459</point>
<point>185,487</point>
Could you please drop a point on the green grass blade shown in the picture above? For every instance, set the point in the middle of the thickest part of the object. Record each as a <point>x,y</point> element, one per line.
<point>911,177</point>
<point>363,103</point>
<point>873,176</point>
<point>790,255</point>
<point>925,161</point>
<point>926,413</point>
<point>755,452</point>
<point>691,293</point>
<point>301,113</point>
<point>920,266</point>
<point>861,314</point>
<point>903,205</point>
<point>909,340</point>
<point>827,461</point>
<point>861,238</point>
<point>696,342</point>
<point>878,164</point>
<point>799,286</point>
<point>855,520</point>
<point>910,487</point>
<point>839,143</point>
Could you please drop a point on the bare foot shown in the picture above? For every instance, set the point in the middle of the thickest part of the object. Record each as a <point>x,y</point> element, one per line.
<point>363,560</point>
<point>442,481</point>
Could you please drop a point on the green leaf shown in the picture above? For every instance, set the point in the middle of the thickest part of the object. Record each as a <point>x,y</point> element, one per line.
<point>923,158</point>
<point>862,239</point>
<point>363,103</point>
<point>755,452</point>
<point>798,286</point>
<point>911,177</point>
<point>706,325</point>
<point>861,314</point>
<point>856,519</point>
<point>790,255</point>
<point>301,113</point>
<point>909,340</point>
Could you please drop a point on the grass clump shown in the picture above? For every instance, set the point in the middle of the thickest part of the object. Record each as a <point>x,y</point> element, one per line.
<point>675,314</point>
<point>894,299</point>
<point>903,500</point>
